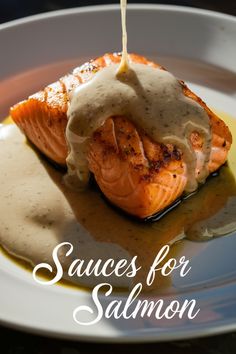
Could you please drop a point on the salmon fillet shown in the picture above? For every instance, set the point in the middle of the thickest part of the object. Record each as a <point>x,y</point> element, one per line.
<point>135,173</point>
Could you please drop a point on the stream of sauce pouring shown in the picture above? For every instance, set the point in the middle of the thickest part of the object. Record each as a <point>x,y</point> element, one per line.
<point>150,97</point>
<point>124,64</point>
<point>38,211</point>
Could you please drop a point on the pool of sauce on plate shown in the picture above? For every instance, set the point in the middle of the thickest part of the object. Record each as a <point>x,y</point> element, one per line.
<point>42,274</point>
<point>39,211</point>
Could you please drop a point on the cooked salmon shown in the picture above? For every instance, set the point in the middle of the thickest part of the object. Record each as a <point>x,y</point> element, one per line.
<point>135,173</point>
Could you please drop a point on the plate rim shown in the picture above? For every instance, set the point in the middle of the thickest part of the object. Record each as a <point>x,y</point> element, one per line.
<point>143,335</point>
<point>110,7</point>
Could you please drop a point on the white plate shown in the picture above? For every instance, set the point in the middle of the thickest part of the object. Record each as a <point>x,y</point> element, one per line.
<point>197,45</point>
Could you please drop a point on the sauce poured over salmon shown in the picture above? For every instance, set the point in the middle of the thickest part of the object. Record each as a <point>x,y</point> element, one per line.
<point>136,173</point>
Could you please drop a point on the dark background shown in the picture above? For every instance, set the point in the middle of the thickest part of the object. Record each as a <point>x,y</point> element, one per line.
<point>15,342</point>
<point>11,9</point>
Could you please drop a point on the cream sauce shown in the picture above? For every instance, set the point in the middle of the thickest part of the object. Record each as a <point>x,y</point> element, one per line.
<point>38,212</point>
<point>150,97</point>
<point>153,99</point>
<point>124,64</point>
